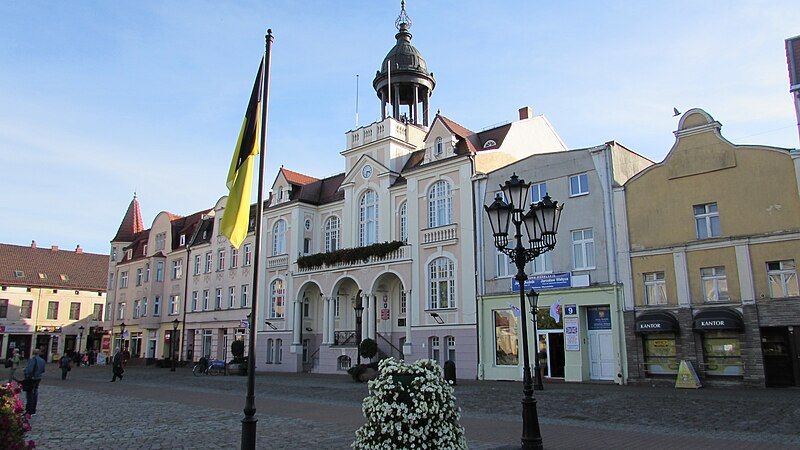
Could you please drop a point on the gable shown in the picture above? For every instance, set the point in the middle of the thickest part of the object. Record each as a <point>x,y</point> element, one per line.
<point>356,172</point>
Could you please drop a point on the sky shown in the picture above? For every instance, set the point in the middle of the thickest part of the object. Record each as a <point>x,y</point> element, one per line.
<point>99,100</point>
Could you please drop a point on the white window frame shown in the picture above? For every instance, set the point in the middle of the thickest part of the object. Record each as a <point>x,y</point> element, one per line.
<point>220,259</point>
<point>161,241</point>
<point>403,304</point>
<point>714,277</point>
<point>157,306</point>
<point>197,264</point>
<point>173,305</point>
<point>438,146</point>
<point>441,270</point>
<point>538,191</point>
<point>704,221</point>
<point>440,204</point>
<point>368,222</point>
<point>784,277</point>
<point>209,262</point>
<point>160,271</point>
<point>123,279</point>
<point>655,288</point>
<point>402,211</point>
<point>583,247</point>
<point>276,292</point>
<point>234,258</point>
<point>582,180</point>
<point>121,311</point>
<point>332,224</point>
<point>243,296</point>
<point>279,237</point>
<point>248,255</point>
<point>435,349</point>
<point>218,298</point>
<point>450,348</point>
<point>177,269</point>
<point>206,304</point>
<point>195,303</point>
<point>231,296</point>
<point>543,264</point>
<point>503,265</point>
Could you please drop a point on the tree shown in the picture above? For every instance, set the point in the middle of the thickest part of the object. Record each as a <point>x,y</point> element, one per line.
<point>237,349</point>
<point>368,348</point>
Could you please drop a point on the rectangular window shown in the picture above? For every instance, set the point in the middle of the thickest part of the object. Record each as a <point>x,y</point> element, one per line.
<point>205,300</point>
<point>542,264</point>
<point>113,253</point>
<point>715,284</point>
<point>434,349</point>
<point>136,309</point>
<point>197,264</point>
<point>123,279</point>
<point>109,311</point>
<point>139,276</point>
<point>177,269</point>
<point>278,351</point>
<point>52,310</point>
<point>209,261</point>
<point>583,249</point>
<point>451,348</point>
<point>156,306</point>
<point>161,239</point>
<point>578,185</point>
<point>147,273</point>
<point>121,311</point>
<point>160,271</point>
<point>505,268</point>
<point>74,311</point>
<point>194,300</point>
<point>218,299</point>
<point>3,308</point>
<point>506,342</point>
<point>403,304</point>
<point>173,305</point>
<point>234,257</point>
<point>538,191</point>
<point>706,219</point>
<point>111,282</point>
<point>336,306</point>
<point>655,289</point>
<point>244,296</point>
<point>182,240</point>
<point>660,356</point>
<point>306,246</point>
<point>782,276</point>
<point>144,307</point>
<point>231,296</point>
<point>26,310</point>
<point>248,254</point>
<point>221,259</point>
<point>268,359</point>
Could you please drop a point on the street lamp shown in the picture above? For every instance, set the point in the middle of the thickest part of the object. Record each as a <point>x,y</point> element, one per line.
<point>80,340</point>
<point>359,312</point>
<point>533,299</point>
<point>172,343</point>
<point>541,224</point>
<point>122,336</point>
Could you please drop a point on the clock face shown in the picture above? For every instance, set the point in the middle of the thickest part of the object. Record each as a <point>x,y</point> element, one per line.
<point>366,172</point>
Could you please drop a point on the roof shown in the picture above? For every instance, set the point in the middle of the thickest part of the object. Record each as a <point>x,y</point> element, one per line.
<point>185,226</point>
<point>137,245</point>
<point>322,191</point>
<point>297,178</point>
<point>464,134</point>
<point>131,223</point>
<point>67,269</point>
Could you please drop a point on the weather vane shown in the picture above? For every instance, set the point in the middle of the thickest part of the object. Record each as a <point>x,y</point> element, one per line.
<point>403,18</point>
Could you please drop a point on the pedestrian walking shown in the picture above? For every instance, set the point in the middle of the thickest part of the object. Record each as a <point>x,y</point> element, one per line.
<point>116,366</point>
<point>33,376</point>
<point>66,365</point>
<point>15,362</point>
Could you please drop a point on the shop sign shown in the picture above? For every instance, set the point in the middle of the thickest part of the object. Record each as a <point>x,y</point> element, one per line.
<point>244,323</point>
<point>45,329</point>
<point>687,377</point>
<point>572,338</point>
<point>571,309</point>
<point>105,343</point>
<point>544,282</point>
<point>652,326</point>
<point>722,323</point>
<point>15,329</point>
<point>598,318</point>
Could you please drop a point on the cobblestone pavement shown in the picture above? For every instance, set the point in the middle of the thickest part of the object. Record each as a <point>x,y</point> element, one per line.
<point>154,408</point>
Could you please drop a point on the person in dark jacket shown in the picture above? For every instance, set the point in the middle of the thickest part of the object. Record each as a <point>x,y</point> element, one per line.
<point>65,364</point>
<point>33,371</point>
<point>116,366</point>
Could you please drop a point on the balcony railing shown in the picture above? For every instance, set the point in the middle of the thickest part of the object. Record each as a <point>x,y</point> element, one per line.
<point>275,262</point>
<point>376,131</point>
<point>401,254</point>
<point>440,234</point>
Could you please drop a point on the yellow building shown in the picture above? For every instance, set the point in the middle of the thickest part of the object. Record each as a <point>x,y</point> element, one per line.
<point>50,299</point>
<point>714,237</point>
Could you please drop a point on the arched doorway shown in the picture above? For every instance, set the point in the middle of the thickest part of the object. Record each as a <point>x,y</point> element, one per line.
<point>310,323</point>
<point>388,318</point>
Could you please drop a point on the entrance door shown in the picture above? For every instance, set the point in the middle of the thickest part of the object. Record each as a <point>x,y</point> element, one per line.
<point>555,350</point>
<point>776,344</point>
<point>43,344</point>
<point>601,347</point>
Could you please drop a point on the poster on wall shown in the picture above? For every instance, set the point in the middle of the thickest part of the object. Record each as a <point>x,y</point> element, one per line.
<point>572,338</point>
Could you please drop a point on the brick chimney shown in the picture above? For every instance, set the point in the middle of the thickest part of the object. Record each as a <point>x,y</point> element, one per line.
<point>78,249</point>
<point>53,248</point>
<point>526,112</point>
<point>33,244</point>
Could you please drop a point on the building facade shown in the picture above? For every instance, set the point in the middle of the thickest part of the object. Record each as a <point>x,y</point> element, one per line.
<point>713,241</point>
<point>579,320</point>
<point>50,299</point>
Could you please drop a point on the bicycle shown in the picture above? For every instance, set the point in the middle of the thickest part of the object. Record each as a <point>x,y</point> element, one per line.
<point>209,367</point>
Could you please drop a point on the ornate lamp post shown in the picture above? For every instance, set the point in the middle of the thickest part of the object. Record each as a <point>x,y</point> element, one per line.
<point>533,299</point>
<point>359,312</point>
<point>122,336</point>
<point>540,223</point>
<point>80,339</point>
<point>172,343</point>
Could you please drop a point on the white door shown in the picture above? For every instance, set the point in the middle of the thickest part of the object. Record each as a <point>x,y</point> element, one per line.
<point>601,355</point>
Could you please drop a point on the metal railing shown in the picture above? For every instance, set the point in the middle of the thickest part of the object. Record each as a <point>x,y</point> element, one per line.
<point>392,346</point>
<point>345,338</point>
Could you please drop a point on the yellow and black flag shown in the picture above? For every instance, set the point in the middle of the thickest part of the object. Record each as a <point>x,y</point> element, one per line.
<point>236,217</point>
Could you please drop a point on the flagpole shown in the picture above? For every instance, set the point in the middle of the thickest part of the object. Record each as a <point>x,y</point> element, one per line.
<point>250,421</point>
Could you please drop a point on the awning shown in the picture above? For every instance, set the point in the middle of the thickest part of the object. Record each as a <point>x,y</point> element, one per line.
<point>657,322</point>
<point>718,319</point>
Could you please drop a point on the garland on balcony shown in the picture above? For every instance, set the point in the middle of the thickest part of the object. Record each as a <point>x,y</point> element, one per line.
<point>348,255</point>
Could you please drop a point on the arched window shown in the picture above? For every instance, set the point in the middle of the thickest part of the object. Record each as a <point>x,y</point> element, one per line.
<point>440,204</point>
<point>438,147</point>
<point>332,234</point>
<point>441,276</point>
<point>278,351</point>
<point>450,348</point>
<point>433,348</point>
<point>268,359</point>
<point>368,218</point>
<point>343,362</point>
<point>277,299</point>
<point>279,238</point>
<point>403,222</point>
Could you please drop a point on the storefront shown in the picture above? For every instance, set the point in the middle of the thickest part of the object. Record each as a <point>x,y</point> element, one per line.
<point>720,331</point>
<point>579,335</point>
<point>658,331</point>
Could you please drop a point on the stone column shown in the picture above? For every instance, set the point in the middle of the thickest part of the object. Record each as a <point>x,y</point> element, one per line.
<point>365,316</point>
<point>325,323</point>
<point>425,102</point>
<point>297,322</point>
<point>331,319</point>
<point>396,101</point>
<point>373,319</point>
<point>409,310</point>
<point>383,106</point>
<point>414,112</point>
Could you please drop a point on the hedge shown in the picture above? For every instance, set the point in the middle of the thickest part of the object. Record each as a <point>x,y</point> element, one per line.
<point>348,255</point>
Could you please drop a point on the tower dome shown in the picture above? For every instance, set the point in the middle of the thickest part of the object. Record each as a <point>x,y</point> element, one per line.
<point>403,79</point>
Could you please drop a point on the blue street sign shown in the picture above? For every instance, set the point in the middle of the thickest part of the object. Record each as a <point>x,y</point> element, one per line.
<point>544,282</point>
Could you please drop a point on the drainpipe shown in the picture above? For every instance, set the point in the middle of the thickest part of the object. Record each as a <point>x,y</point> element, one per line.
<point>479,183</point>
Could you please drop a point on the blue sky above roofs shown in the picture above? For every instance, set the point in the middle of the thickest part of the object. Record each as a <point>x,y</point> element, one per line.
<point>99,99</point>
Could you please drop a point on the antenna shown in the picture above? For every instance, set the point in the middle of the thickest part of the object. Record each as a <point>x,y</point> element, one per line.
<point>356,100</point>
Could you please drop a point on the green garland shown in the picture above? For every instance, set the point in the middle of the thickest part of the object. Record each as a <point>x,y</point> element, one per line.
<point>348,255</point>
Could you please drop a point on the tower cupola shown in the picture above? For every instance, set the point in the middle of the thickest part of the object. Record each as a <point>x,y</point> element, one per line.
<point>403,81</point>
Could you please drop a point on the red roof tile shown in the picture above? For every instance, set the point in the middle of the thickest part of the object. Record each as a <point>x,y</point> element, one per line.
<point>296,177</point>
<point>131,223</point>
<point>86,271</point>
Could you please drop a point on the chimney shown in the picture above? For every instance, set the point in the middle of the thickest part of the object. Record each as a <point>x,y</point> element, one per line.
<point>33,244</point>
<point>53,248</point>
<point>525,112</point>
<point>78,249</point>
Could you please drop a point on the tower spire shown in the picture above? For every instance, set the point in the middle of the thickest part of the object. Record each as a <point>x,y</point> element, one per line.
<point>402,21</point>
<point>131,223</point>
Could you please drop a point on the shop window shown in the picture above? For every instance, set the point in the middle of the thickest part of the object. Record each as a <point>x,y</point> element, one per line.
<point>655,288</point>
<point>723,353</point>
<point>506,342</point>
<point>782,279</point>
<point>660,356</point>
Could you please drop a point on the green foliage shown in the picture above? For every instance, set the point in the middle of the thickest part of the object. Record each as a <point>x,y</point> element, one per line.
<point>348,255</point>
<point>368,348</point>
<point>237,349</point>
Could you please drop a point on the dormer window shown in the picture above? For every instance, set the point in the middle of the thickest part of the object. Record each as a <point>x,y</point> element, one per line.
<point>42,276</point>
<point>490,144</point>
<point>129,253</point>
<point>438,147</point>
<point>183,240</point>
<point>144,250</point>
<point>19,274</point>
